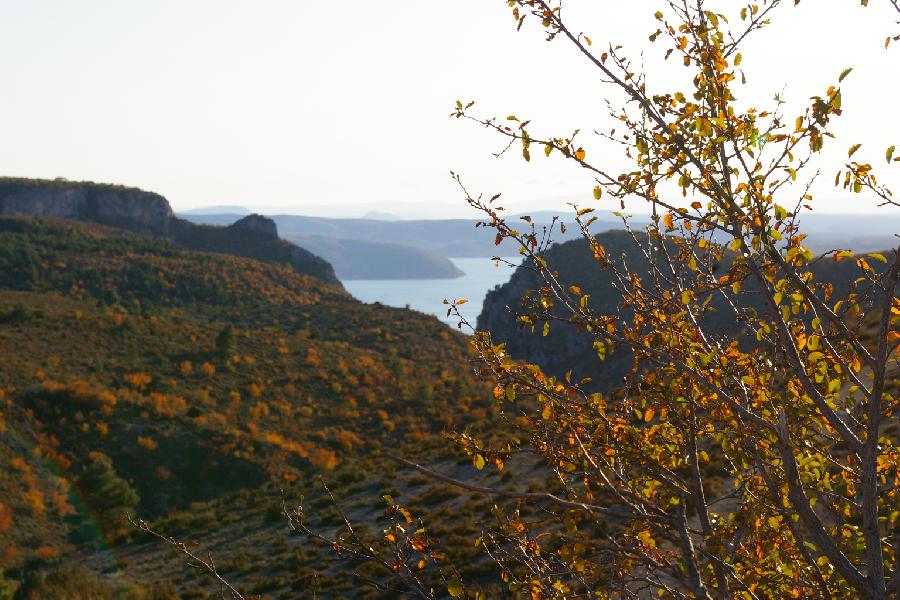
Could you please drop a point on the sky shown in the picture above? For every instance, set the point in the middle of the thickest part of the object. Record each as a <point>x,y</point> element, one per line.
<point>342,107</point>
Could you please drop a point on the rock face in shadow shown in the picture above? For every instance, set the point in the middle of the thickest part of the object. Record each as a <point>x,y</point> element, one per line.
<point>564,349</point>
<point>253,236</point>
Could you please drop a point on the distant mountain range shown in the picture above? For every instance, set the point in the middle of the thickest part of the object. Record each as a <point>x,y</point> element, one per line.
<point>459,238</point>
<point>218,210</point>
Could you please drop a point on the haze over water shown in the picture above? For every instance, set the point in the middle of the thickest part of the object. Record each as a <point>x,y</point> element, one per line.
<point>427,295</point>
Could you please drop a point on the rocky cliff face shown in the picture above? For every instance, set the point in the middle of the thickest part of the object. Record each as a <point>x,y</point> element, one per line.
<point>254,236</point>
<point>116,206</point>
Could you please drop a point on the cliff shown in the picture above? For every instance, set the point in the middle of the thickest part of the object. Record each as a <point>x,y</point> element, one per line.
<point>144,212</point>
<point>113,205</point>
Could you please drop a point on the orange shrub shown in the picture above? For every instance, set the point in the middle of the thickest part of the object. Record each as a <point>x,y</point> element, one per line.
<point>137,380</point>
<point>147,443</point>
<point>47,552</point>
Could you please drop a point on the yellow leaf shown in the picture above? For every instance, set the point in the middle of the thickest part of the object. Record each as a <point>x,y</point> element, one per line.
<point>648,415</point>
<point>668,221</point>
<point>842,255</point>
<point>853,149</point>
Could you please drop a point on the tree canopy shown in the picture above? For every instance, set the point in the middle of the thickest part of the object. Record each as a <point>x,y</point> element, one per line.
<point>763,464</point>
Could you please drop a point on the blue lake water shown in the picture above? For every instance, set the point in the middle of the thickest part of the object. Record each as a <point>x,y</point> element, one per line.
<point>427,295</point>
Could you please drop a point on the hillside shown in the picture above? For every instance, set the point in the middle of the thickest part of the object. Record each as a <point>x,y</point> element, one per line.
<point>146,212</point>
<point>563,349</point>
<point>204,383</point>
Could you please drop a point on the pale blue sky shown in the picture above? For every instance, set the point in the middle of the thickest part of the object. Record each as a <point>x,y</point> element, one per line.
<point>291,105</point>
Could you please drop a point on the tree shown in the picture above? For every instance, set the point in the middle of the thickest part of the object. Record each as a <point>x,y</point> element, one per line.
<point>760,465</point>
<point>107,494</point>
<point>226,343</point>
<point>795,412</point>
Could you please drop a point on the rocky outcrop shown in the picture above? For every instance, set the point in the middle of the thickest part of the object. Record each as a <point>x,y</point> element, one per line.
<point>257,225</point>
<point>253,236</point>
<point>116,206</point>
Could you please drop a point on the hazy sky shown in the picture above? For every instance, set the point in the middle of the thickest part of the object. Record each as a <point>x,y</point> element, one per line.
<point>294,105</point>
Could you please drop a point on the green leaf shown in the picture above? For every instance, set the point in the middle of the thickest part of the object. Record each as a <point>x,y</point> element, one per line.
<point>853,149</point>
<point>890,153</point>
<point>454,588</point>
<point>844,73</point>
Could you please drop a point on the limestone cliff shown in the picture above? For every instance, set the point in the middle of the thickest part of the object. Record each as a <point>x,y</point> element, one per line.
<point>116,206</point>
<point>144,212</point>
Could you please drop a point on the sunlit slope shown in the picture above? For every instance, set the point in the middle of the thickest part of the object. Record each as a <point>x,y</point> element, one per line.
<point>195,375</point>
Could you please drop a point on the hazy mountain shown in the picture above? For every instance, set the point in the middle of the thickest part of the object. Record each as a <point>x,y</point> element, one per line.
<point>361,259</point>
<point>218,210</point>
<point>460,237</point>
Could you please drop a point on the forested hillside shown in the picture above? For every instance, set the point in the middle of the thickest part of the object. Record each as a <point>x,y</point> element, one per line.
<point>562,349</point>
<point>190,387</point>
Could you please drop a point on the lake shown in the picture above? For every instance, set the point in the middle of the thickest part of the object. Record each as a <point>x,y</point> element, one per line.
<point>427,295</point>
